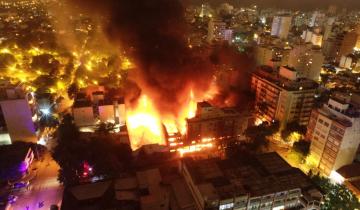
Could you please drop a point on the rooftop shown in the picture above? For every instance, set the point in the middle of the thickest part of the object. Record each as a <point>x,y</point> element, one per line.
<point>350,171</point>
<point>259,175</point>
<point>266,73</point>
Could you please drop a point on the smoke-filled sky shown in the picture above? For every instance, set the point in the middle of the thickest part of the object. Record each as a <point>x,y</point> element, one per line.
<point>292,4</point>
<point>153,32</point>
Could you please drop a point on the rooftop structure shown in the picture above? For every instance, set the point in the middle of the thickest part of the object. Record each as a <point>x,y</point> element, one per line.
<point>257,182</point>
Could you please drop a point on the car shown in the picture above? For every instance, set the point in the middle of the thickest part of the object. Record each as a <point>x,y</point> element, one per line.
<point>18,185</point>
<point>10,199</point>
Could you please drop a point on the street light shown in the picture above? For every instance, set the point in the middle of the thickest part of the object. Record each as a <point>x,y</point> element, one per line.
<point>45,111</point>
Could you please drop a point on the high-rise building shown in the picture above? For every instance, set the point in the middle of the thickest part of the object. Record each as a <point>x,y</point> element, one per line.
<point>331,47</point>
<point>334,132</point>
<point>16,120</point>
<point>281,26</point>
<point>264,181</point>
<point>307,60</point>
<point>328,27</point>
<point>283,96</point>
<point>216,30</point>
<point>317,19</point>
<point>348,44</point>
<point>263,54</point>
<point>212,122</point>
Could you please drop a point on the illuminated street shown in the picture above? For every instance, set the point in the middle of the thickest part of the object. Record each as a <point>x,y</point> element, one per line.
<point>44,187</point>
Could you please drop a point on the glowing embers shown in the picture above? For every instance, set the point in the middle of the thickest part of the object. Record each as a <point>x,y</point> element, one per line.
<point>144,124</point>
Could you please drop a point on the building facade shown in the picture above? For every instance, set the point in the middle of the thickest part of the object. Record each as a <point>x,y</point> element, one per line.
<point>281,26</point>
<point>16,115</point>
<point>334,132</point>
<point>264,182</point>
<point>283,96</point>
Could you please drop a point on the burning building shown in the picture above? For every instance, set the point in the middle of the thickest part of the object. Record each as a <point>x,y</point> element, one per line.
<point>216,123</point>
<point>168,77</point>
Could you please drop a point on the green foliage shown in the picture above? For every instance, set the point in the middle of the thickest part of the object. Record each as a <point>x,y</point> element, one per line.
<point>292,127</point>
<point>337,197</point>
<point>106,156</point>
<point>6,60</point>
<point>257,135</point>
<point>302,147</point>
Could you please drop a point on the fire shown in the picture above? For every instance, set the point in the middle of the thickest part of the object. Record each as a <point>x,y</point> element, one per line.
<point>144,124</point>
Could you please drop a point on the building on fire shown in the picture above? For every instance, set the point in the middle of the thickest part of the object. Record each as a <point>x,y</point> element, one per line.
<point>212,122</point>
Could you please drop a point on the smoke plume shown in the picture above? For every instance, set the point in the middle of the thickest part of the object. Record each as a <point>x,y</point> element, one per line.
<point>153,34</point>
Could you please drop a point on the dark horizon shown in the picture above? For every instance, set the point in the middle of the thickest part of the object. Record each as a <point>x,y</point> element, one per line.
<point>286,4</point>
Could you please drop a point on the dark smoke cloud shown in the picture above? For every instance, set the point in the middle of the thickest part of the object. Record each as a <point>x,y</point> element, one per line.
<point>153,33</point>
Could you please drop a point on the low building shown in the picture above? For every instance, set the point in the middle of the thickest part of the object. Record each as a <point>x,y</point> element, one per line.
<point>16,115</point>
<point>350,176</point>
<point>143,190</point>
<point>283,96</point>
<point>334,132</point>
<point>15,160</point>
<point>264,181</point>
<point>91,108</point>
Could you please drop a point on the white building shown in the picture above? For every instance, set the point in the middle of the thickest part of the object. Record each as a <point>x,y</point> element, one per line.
<point>16,116</point>
<point>91,108</point>
<point>334,132</point>
<point>216,30</point>
<point>307,59</point>
<point>281,26</point>
<point>283,96</point>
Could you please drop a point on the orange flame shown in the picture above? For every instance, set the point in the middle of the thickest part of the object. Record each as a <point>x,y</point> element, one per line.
<point>144,125</point>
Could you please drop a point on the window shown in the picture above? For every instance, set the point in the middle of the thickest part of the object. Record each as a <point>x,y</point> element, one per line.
<point>226,206</point>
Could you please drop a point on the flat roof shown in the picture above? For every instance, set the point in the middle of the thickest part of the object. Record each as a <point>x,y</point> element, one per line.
<point>350,171</point>
<point>301,84</point>
<point>257,176</point>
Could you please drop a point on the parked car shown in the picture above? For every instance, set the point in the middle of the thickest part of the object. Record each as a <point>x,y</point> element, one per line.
<point>12,199</point>
<point>18,186</point>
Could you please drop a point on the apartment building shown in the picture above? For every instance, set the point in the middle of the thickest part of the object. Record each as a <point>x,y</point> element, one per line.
<point>283,95</point>
<point>334,132</point>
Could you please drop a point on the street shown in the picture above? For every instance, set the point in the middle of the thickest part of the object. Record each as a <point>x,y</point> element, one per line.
<point>44,187</point>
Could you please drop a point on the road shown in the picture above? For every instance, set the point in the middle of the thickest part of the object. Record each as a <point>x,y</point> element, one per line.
<point>43,187</point>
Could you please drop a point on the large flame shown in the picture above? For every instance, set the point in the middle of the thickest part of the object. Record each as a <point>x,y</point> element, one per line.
<point>144,124</point>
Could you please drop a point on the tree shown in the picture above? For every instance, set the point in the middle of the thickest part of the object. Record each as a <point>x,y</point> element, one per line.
<point>257,135</point>
<point>106,156</point>
<point>303,147</point>
<point>337,196</point>
<point>293,128</point>
<point>72,90</point>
